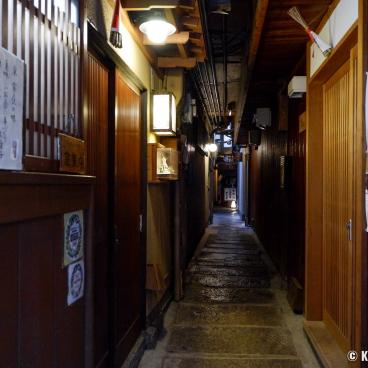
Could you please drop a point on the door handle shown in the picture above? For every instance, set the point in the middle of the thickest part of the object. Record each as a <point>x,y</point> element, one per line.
<point>349,227</point>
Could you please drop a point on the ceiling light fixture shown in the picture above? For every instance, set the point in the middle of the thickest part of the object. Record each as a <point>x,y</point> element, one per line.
<point>157,30</point>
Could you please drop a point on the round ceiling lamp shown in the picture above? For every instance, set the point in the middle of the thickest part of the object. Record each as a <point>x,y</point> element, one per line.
<point>157,30</point>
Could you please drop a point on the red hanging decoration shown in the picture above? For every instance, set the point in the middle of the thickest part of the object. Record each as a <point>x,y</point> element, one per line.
<point>116,39</point>
<point>322,45</point>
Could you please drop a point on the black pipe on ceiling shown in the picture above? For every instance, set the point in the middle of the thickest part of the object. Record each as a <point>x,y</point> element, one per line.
<point>224,42</point>
<point>201,98</point>
<point>212,71</point>
<point>207,88</point>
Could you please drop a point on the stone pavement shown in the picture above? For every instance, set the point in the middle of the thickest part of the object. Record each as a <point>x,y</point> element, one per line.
<point>230,316</point>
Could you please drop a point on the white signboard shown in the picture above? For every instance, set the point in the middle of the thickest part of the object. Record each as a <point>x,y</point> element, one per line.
<point>73,237</point>
<point>230,194</point>
<point>11,110</point>
<point>75,282</point>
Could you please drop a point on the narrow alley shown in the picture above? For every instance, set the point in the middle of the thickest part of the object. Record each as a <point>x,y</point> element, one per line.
<point>234,313</point>
<point>184,183</point>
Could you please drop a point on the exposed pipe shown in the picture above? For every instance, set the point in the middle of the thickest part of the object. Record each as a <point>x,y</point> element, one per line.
<point>224,42</point>
<point>201,97</point>
<point>211,100</point>
<point>202,8</point>
<point>212,86</point>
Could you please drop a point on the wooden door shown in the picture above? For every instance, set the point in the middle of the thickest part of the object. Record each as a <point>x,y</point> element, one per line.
<point>129,255</point>
<point>339,99</point>
<point>97,131</point>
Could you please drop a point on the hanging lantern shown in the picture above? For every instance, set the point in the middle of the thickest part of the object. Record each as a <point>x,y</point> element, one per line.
<point>164,114</point>
<point>116,38</point>
<point>322,45</point>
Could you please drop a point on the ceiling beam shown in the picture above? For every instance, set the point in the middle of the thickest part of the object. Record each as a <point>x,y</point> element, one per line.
<point>249,60</point>
<point>171,18</point>
<point>140,5</point>
<point>176,62</point>
<point>180,38</point>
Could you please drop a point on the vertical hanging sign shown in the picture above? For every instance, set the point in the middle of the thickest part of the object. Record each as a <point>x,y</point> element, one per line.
<point>73,237</point>
<point>11,110</point>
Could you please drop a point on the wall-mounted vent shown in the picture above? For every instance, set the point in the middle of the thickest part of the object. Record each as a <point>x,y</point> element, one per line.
<point>297,87</point>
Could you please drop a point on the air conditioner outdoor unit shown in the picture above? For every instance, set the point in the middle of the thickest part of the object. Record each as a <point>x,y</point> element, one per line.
<point>263,117</point>
<point>297,87</point>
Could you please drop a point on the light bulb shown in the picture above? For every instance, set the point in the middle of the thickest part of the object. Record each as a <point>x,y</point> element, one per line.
<point>157,30</point>
<point>212,147</point>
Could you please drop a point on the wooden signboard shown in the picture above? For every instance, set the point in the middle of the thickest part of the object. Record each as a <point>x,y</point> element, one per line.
<point>72,154</point>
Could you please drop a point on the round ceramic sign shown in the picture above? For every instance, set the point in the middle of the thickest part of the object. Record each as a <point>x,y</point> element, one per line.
<point>74,236</point>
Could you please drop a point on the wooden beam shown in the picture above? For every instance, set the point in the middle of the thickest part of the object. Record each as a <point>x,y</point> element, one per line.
<point>180,38</point>
<point>170,17</point>
<point>140,5</point>
<point>249,61</point>
<point>176,62</point>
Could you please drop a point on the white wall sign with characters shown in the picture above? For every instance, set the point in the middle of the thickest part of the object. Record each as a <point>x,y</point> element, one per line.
<point>11,110</point>
<point>230,194</point>
<point>73,237</point>
<point>75,282</point>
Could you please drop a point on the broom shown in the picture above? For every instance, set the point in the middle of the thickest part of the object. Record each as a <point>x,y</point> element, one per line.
<point>322,45</point>
<point>115,36</point>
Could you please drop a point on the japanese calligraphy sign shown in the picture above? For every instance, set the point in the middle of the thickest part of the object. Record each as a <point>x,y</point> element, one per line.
<point>72,154</point>
<point>11,110</point>
<point>73,237</point>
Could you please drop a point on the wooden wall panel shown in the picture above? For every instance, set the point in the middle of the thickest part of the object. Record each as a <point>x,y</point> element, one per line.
<point>9,304</point>
<point>337,202</point>
<point>296,192</point>
<point>269,202</point>
<point>38,329</point>
<point>97,133</point>
<point>37,320</point>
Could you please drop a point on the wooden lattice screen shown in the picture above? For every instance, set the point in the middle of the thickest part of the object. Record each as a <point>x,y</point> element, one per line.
<point>45,34</point>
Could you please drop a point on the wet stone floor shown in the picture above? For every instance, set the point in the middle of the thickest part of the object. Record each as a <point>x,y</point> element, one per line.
<point>230,316</point>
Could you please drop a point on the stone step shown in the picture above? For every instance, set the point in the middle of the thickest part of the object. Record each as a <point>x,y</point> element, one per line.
<point>260,271</point>
<point>222,281</point>
<point>209,295</point>
<point>236,315</point>
<point>179,362</point>
<point>231,340</point>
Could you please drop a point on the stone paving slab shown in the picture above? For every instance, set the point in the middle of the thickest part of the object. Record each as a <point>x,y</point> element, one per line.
<point>231,363</point>
<point>223,281</point>
<point>239,315</point>
<point>231,262</point>
<point>231,340</point>
<point>234,246</point>
<point>208,295</point>
<point>207,256</point>
<point>241,251</point>
<point>260,271</point>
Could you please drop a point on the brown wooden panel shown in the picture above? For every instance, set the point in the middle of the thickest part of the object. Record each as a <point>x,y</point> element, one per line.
<point>338,120</point>
<point>9,304</point>
<point>97,132</point>
<point>128,266</point>
<point>36,292</point>
<point>296,193</point>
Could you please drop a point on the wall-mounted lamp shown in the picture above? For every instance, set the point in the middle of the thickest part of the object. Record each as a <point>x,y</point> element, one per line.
<point>164,114</point>
<point>157,29</point>
<point>212,147</point>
